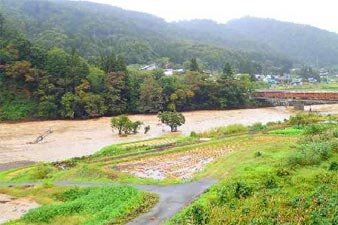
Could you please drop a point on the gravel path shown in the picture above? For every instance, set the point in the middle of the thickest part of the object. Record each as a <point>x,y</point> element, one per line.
<point>172,198</point>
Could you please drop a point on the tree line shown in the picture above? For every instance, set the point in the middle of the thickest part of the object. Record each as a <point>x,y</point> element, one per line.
<point>36,82</point>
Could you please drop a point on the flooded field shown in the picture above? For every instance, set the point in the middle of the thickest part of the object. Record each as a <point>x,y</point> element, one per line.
<point>78,138</point>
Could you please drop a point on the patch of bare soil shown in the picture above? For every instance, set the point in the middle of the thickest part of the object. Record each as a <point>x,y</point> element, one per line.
<point>175,165</point>
<point>13,208</point>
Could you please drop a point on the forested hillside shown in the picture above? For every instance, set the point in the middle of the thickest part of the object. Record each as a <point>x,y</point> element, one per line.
<point>304,43</point>
<point>40,82</point>
<point>68,59</point>
<point>140,38</point>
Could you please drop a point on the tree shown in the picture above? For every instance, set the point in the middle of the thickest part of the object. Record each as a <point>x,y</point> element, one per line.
<point>150,96</point>
<point>2,23</point>
<point>228,73</point>
<point>124,125</point>
<point>172,119</point>
<point>136,126</point>
<point>115,88</point>
<point>120,123</point>
<point>194,65</point>
<point>68,103</point>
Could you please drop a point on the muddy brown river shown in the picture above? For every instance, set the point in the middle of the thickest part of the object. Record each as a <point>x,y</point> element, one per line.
<point>79,138</point>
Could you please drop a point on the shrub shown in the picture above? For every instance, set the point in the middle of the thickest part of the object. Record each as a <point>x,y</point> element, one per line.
<point>310,154</point>
<point>315,129</point>
<point>282,172</point>
<point>270,183</point>
<point>41,171</point>
<point>223,195</point>
<point>199,214</point>
<point>258,154</point>
<point>257,127</point>
<point>333,166</point>
<point>193,134</point>
<point>302,119</point>
<point>242,190</point>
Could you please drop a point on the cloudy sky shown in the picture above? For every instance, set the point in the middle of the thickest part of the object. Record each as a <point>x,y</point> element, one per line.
<point>319,13</point>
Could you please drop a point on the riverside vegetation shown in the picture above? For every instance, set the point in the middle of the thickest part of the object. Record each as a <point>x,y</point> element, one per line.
<point>288,169</point>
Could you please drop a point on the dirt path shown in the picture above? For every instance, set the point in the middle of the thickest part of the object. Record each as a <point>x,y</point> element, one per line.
<point>172,198</point>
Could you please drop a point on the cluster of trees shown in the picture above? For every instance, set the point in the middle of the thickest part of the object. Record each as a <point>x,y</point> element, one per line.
<point>36,82</point>
<point>125,126</point>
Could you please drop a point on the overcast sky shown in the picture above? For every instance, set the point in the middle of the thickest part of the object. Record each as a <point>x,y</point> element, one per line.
<point>319,13</point>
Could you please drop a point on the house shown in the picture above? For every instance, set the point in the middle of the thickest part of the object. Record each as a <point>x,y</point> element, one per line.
<point>149,67</point>
<point>168,72</point>
<point>312,80</point>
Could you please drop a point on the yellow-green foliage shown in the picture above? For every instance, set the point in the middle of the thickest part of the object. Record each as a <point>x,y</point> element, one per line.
<point>224,131</point>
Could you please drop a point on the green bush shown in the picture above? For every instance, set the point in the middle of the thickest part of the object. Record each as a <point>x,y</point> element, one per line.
<point>302,119</point>
<point>257,127</point>
<point>270,183</point>
<point>104,204</point>
<point>199,214</point>
<point>312,149</point>
<point>333,166</point>
<point>242,190</point>
<point>310,154</point>
<point>282,172</point>
<point>315,129</point>
<point>224,131</point>
<point>41,172</point>
<point>16,109</point>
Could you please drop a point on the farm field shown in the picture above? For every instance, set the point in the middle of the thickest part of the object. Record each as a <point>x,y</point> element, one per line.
<point>310,87</point>
<point>264,165</point>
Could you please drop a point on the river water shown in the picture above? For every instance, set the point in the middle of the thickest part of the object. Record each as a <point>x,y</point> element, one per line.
<point>79,138</point>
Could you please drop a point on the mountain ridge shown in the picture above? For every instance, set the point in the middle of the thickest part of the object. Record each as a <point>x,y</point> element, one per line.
<point>142,37</point>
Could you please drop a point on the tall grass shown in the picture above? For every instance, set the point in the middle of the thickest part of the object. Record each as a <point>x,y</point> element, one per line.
<point>224,131</point>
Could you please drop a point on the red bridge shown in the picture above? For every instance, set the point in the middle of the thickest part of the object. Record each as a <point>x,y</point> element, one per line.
<point>297,95</point>
<point>296,98</point>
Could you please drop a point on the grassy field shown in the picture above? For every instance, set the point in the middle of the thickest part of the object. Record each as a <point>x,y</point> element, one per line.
<point>278,173</point>
<point>273,179</point>
<point>333,86</point>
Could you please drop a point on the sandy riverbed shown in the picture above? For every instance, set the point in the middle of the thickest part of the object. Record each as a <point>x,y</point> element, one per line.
<point>78,138</point>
